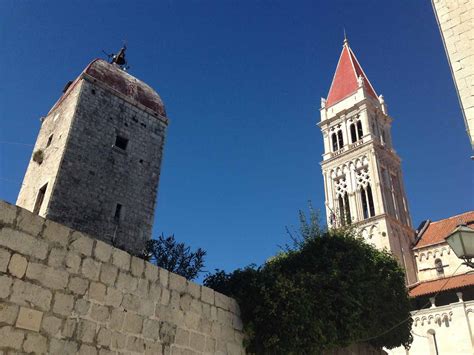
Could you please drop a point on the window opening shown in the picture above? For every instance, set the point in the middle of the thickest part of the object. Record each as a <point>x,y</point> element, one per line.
<point>39,199</point>
<point>367,202</point>
<point>50,139</point>
<point>370,200</point>
<point>353,133</point>
<point>118,212</point>
<point>340,141</point>
<point>334,142</point>
<point>344,209</point>
<point>360,133</point>
<point>439,267</point>
<point>121,142</point>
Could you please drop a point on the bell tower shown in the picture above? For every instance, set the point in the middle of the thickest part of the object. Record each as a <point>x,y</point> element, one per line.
<point>362,173</point>
<point>97,159</point>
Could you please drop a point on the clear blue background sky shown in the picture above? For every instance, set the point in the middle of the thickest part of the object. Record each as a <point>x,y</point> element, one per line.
<point>242,82</point>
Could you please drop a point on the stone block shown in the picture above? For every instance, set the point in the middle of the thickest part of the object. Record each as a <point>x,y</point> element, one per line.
<point>174,299</point>
<point>207,295</point>
<point>87,350</point>
<point>104,337</point>
<point>197,341</point>
<point>118,341</point>
<point>151,272</point>
<point>56,233</point>
<point>155,292</point>
<point>102,251</point>
<point>29,319</point>
<point>165,296</point>
<point>146,308</point>
<point>4,259</point>
<point>23,243</point>
<point>177,282</point>
<point>131,302</point>
<point>126,282</point>
<point>51,325</point>
<point>86,331</point>
<point>90,269</point>
<point>164,276</point>
<point>8,313</point>
<point>142,288</point>
<point>63,304</point>
<point>56,257</point>
<point>221,301</point>
<point>108,274</point>
<point>210,345</point>
<point>81,243</point>
<point>121,259</point>
<point>99,313</point>
<point>11,338</point>
<point>69,327</point>
<point>133,323</point>
<point>25,293</point>
<point>50,277</point>
<point>151,329</point>
<point>234,306</point>
<point>5,286</point>
<point>153,347</point>
<point>78,285</point>
<point>97,291</point>
<point>237,322</point>
<point>73,262</point>
<point>7,213</point>
<point>182,337</point>
<point>116,319</point>
<point>193,289</point>
<point>113,297</point>
<point>135,344</point>
<point>137,266</point>
<point>17,265</point>
<point>35,343</point>
<point>29,222</point>
<point>61,347</point>
<point>185,302</point>
<point>82,306</point>
<point>192,320</point>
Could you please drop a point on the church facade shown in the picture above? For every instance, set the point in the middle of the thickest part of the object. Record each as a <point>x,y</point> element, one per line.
<point>364,187</point>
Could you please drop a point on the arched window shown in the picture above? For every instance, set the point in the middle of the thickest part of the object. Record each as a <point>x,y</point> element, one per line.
<point>360,133</point>
<point>439,267</point>
<point>334,142</point>
<point>353,133</point>
<point>344,209</point>
<point>340,141</point>
<point>367,200</point>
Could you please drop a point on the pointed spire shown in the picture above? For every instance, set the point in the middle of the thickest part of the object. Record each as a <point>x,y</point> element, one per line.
<point>348,77</point>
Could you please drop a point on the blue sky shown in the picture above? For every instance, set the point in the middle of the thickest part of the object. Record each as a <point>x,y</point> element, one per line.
<point>242,82</point>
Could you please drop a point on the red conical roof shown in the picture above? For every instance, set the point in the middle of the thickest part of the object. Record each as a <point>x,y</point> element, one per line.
<point>345,82</point>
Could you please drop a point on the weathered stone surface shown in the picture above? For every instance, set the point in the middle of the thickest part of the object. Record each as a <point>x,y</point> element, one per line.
<point>23,243</point>
<point>90,269</point>
<point>8,313</point>
<point>135,344</point>
<point>133,323</point>
<point>207,295</point>
<point>126,282</point>
<point>102,251</point>
<point>113,297</point>
<point>60,347</point>
<point>7,213</point>
<point>87,350</point>
<point>137,266</point>
<point>5,285</point>
<point>17,265</point>
<point>56,233</point>
<point>29,319</point>
<point>78,285</point>
<point>63,304</point>
<point>164,276</point>
<point>197,341</point>
<point>151,329</point>
<point>11,338</point>
<point>177,282</point>
<point>97,291</point>
<point>35,343</point>
<point>50,277</point>
<point>82,306</point>
<point>86,331</point>
<point>99,313</point>
<point>25,293</point>
<point>108,274</point>
<point>73,262</point>
<point>104,337</point>
<point>182,337</point>
<point>51,325</point>
<point>221,301</point>
<point>81,244</point>
<point>56,257</point>
<point>121,259</point>
<point>4,259</point>
<point>29,222</point>
<point>151,272</point>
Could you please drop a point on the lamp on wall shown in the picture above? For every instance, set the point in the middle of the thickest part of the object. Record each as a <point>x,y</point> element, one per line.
<point>461,240</point>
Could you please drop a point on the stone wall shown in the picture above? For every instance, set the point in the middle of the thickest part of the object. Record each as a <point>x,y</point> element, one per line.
<point>456,23</point>
<point>64,292</point>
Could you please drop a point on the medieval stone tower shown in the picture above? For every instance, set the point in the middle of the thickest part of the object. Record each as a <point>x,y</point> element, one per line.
<point>96,162</point>
<point>362,173</point>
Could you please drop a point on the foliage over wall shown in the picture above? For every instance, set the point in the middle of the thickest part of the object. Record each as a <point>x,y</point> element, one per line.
<point>330,289</point>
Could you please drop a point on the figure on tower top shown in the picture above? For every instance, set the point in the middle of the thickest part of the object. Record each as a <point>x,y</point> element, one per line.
<point>119,58</point>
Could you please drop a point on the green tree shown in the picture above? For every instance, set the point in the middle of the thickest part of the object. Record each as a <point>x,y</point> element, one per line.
<point>328,290</point>
<point>176,257</point>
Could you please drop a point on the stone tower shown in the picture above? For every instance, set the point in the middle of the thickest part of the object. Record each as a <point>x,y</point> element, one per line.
<point>362,173</point>
<point>96,162</point>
